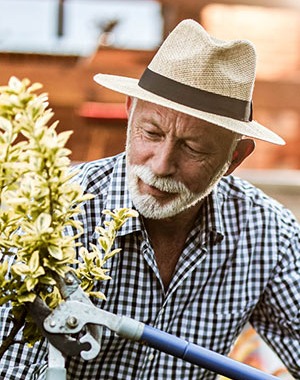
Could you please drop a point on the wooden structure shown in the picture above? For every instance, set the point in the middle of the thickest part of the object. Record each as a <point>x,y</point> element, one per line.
<point>98,116</point>
<point>176,10</point>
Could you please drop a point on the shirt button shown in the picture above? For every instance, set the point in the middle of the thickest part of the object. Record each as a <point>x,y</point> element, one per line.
<point>151,357</point>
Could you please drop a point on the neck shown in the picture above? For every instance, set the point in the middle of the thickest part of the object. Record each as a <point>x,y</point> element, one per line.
<point>168,237</point>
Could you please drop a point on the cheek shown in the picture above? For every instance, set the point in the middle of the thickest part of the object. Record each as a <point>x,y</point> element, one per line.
<point>197,177</point>
<point>192,177</point>
<point>138,152</point>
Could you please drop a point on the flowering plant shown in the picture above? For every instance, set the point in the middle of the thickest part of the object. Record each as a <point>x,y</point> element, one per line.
<point>38,201</point>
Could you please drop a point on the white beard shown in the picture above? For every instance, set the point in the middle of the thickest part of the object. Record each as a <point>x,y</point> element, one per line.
<point>148,206</point>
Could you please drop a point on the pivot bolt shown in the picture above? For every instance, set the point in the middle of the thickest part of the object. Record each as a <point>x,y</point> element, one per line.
<point>69,279</point>
<point>72,322</point>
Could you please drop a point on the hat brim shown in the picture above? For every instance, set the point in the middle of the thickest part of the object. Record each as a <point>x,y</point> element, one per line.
<point>130,87</point>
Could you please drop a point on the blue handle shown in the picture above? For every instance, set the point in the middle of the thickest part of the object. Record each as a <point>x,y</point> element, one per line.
<point>200,356</point>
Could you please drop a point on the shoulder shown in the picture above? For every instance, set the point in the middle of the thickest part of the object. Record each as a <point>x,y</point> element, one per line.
<point>259,207</point>
<point>237,189</point>
<point>95,175</point>
<point>259,222</point>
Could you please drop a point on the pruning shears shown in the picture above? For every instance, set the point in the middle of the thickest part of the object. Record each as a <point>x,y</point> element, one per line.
<point>75,327</point>
<point>68,345</point>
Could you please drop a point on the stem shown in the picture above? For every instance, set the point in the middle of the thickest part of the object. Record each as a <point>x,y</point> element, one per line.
<point>2,170</point>
<point>50,193</point>
<point>18,324</point>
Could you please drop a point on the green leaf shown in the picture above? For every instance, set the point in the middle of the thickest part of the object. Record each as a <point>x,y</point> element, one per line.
<point>34,262</point>
<point>5,124</point>
<point>39,272</point>
<point>5,299</point>
<point>112,253</point>
<point>55,252</point>
<point>98,295</point>
<point>28,297</point>
<point>15,84</point>
<point>104,243</point>
<point>3,271</point>
<point>20,269</point>
<point>47,280</point>
<point>43,223</point>
<point>30,283</point>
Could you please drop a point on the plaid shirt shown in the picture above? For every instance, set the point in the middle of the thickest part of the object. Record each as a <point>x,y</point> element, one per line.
<point>240,263</point>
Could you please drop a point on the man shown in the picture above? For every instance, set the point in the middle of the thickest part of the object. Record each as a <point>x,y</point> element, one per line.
<point>209,252</point>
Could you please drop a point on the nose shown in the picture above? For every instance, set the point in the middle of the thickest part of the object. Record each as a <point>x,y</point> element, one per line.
<point>164,160</point>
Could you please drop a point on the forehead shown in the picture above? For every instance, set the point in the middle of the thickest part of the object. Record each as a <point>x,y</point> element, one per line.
<point>170,120</point>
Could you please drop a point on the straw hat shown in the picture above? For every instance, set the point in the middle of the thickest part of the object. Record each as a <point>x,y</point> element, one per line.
<point>199,75</point>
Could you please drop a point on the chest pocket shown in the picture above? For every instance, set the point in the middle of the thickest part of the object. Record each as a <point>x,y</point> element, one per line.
<point>215,330</point>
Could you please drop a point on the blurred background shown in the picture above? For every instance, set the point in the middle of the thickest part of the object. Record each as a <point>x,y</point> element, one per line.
<point>63,43</point>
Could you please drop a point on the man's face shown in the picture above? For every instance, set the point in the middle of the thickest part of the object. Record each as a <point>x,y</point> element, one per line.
<point>174,160</point>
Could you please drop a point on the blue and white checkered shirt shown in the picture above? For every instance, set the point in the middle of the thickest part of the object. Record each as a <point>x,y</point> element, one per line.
<point>241,263</point>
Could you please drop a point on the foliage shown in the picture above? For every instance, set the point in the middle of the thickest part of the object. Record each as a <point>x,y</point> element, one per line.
<point>92,268</point>
<point>38,201</point>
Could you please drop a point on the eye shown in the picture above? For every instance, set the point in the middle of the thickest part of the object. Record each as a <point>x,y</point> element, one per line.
<point>195,151</point>
<point>190,149</point>
<point>152,133</point>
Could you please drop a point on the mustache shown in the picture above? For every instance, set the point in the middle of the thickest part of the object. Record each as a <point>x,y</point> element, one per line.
<point>165,184</point>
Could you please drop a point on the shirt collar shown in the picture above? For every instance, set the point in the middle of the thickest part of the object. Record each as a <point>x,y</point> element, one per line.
<point>213,216</point>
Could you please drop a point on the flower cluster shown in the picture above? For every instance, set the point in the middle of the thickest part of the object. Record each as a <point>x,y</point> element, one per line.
<point>38,201</point>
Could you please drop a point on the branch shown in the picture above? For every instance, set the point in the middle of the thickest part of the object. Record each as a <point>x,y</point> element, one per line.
<point>18,324</point>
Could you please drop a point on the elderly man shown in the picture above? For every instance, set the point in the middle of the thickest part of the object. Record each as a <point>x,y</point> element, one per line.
<point>209,252</point>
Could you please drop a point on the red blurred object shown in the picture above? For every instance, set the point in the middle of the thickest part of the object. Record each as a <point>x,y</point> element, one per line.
<point>97,110</point>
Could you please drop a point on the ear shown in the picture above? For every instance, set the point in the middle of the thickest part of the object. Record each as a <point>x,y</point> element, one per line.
<point>128,104</point>
<point>243,149</point>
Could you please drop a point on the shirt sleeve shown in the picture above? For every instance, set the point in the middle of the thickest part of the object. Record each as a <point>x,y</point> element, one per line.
<point>277,316</point>
<point>20,361</point>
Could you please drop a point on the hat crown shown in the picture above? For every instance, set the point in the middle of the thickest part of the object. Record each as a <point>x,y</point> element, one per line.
<point>201,76</point>
<point>190,56</point>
